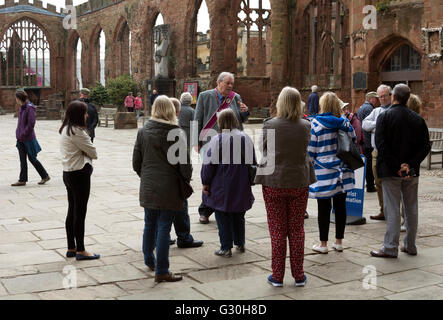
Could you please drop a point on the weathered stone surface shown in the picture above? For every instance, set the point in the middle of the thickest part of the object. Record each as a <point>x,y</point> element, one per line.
<point>114,273</point>
<point>408,280</point>
<point>125,120</point>
<point>166,294</point>
<point>88,293</point>
<point>426,293</point>
<point>29,258</point>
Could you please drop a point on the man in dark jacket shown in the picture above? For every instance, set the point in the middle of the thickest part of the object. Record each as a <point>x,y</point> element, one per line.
<point>92,120</point>
<point>402,141</point>
<point>364,111</point>
<point>313,101</point>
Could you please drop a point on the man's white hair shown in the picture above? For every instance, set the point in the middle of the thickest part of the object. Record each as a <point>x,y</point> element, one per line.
<point>314,88</point>
<point>223,75</point>
<point>384,87</point>
<point>186,98</point>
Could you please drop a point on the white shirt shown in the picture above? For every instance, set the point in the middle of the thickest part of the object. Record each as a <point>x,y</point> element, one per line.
<point>76,149</point>
<point>370,122</point>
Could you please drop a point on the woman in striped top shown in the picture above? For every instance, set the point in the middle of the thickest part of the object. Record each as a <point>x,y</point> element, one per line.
<point>334,178</point>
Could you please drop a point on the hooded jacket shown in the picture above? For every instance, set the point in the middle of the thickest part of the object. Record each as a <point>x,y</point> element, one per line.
<point>333,176</point>
<point>26,122</point>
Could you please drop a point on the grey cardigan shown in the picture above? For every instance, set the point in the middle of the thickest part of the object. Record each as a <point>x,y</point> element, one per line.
<point>293,168</point>
<point>207,105</point>
<point>159,180</point>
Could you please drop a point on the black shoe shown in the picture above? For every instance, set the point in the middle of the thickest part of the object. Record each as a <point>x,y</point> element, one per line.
<point>204,220</point>
<point>306,215</point>
<point>193,244</point>
<point>172,242</point>
<point>168,277</point>
<point>372,189</point>
<point>240,248</point>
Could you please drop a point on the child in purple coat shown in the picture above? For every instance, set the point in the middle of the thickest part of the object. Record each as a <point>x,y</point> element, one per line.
<point>225,179</point>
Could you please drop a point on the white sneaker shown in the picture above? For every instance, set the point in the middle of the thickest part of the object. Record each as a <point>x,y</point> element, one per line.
<point>337,247</point>
<point>403,229</point>
<point>320,249</point>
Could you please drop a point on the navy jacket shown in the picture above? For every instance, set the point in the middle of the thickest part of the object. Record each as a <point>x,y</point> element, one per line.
<point>313,102</point>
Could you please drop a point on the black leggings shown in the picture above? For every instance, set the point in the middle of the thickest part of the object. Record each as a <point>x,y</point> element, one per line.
<point>78,185</point>
<point>324,215</point>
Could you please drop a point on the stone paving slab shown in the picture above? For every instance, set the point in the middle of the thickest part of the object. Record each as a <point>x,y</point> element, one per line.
<point>19,247</point>
<point>253,287</point>
<point>29,258</point>
<point>115,273</point>
<point>88,293</point>
<point>165,294</point>
<point>427,293</point>
<point>43,225</point>
<point>337,272</point>
<point>61,243</point>
<point>352,290</point>
<point>43,282</point>
<point>408,280</point>
<point>437,269</point>
<point>226,273</point>
<point>3,291</point>
<point>26,296</point>
<point>16,237</point>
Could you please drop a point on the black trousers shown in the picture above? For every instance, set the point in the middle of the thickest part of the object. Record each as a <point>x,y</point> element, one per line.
<point>369,174</point>
<point>23,153</point>
<point>324,216</point>
<point>78,185</point>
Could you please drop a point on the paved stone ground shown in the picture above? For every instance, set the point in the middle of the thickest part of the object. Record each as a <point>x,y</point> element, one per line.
<point>32,239</point>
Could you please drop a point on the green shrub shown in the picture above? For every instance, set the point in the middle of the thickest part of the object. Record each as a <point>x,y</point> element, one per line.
<point>99,95</point>
<point>118,89</point>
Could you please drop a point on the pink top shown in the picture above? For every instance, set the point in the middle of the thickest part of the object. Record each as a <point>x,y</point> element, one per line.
<point>129,102</point>
<point>138,103</point>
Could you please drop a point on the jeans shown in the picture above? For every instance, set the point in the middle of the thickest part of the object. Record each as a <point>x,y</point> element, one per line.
<point>182,226</point>
<point>78,186</point>
<point>24,164</point>
<point>231,228</point>
<point>324,216</point>
<point>156,236</point>
<point>138,113</point>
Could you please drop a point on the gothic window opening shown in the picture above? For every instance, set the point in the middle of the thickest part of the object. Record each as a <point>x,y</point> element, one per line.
<point>203,38</point>
<point>78,58</point>
<point>404,58</point>
<point>254,38</point>
<point>25,56</point>
<point>123,50</point>
<point>323,49</point>
<point>101,48</point>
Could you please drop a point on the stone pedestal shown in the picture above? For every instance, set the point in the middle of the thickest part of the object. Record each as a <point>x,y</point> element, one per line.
<point>125,120</point>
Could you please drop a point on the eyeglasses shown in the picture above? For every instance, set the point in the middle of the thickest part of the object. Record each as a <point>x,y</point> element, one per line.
<point>385,96</point>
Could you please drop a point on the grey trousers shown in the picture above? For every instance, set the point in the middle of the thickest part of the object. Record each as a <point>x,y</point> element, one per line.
<point>394,189</point>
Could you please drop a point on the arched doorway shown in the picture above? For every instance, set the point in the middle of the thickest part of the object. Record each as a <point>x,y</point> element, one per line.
<point>395,60</point>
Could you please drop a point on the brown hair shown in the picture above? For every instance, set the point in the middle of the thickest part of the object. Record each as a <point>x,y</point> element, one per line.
<point>75,116</point>
<point>227,120</point>
<point>289,104</point>
<point>21,95</point>
<point>329,103</point>
<point>176,104</point>
<point>414,103</point>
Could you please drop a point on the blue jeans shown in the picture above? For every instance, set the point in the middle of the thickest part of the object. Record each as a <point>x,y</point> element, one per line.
<point>231,228</point>
<point>182,226</point>
<point>156,235</point>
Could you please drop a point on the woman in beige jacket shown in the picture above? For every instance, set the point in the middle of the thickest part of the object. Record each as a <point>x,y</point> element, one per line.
<point>286,190</point>
<point>77,152</point>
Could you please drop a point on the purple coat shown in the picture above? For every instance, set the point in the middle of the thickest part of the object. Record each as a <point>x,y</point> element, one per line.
<point>229,183</point>
<point>26,123</point>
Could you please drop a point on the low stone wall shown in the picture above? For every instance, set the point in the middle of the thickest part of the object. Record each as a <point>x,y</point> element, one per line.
<point>125,120</point>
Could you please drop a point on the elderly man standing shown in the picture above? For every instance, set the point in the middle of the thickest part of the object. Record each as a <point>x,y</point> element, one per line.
<point>364,111</point>
<point>402,140</point>
<point>92,120</point>
<point>384,94</point>
<point>209,103</point>
<point>313,101</point>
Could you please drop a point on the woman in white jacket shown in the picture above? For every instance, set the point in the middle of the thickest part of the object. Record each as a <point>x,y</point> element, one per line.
<point>77,152</point>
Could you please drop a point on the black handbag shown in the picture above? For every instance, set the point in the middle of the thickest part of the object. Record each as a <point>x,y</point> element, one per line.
<point>347,150</point>
<point>185,188</point>
<point>252,170</point>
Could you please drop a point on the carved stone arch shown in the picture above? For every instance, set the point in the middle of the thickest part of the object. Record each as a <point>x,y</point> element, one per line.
<point>72,81</point>
<point>94,55</point>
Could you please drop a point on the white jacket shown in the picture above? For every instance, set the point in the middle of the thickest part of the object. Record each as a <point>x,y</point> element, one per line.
<point>370,123</point>
<point>76,149</point>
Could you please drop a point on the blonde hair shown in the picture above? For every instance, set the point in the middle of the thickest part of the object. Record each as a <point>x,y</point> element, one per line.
<point>227,120</point>
<point>329,103</point>
<point>414,103</point>
<point>163,109</point>
<point>289,104</point>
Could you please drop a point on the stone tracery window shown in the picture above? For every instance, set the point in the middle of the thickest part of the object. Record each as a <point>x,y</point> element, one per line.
<point>324,41</point>
<point>404,58</point>
<point>254,31</point>
<point>24,56</point>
